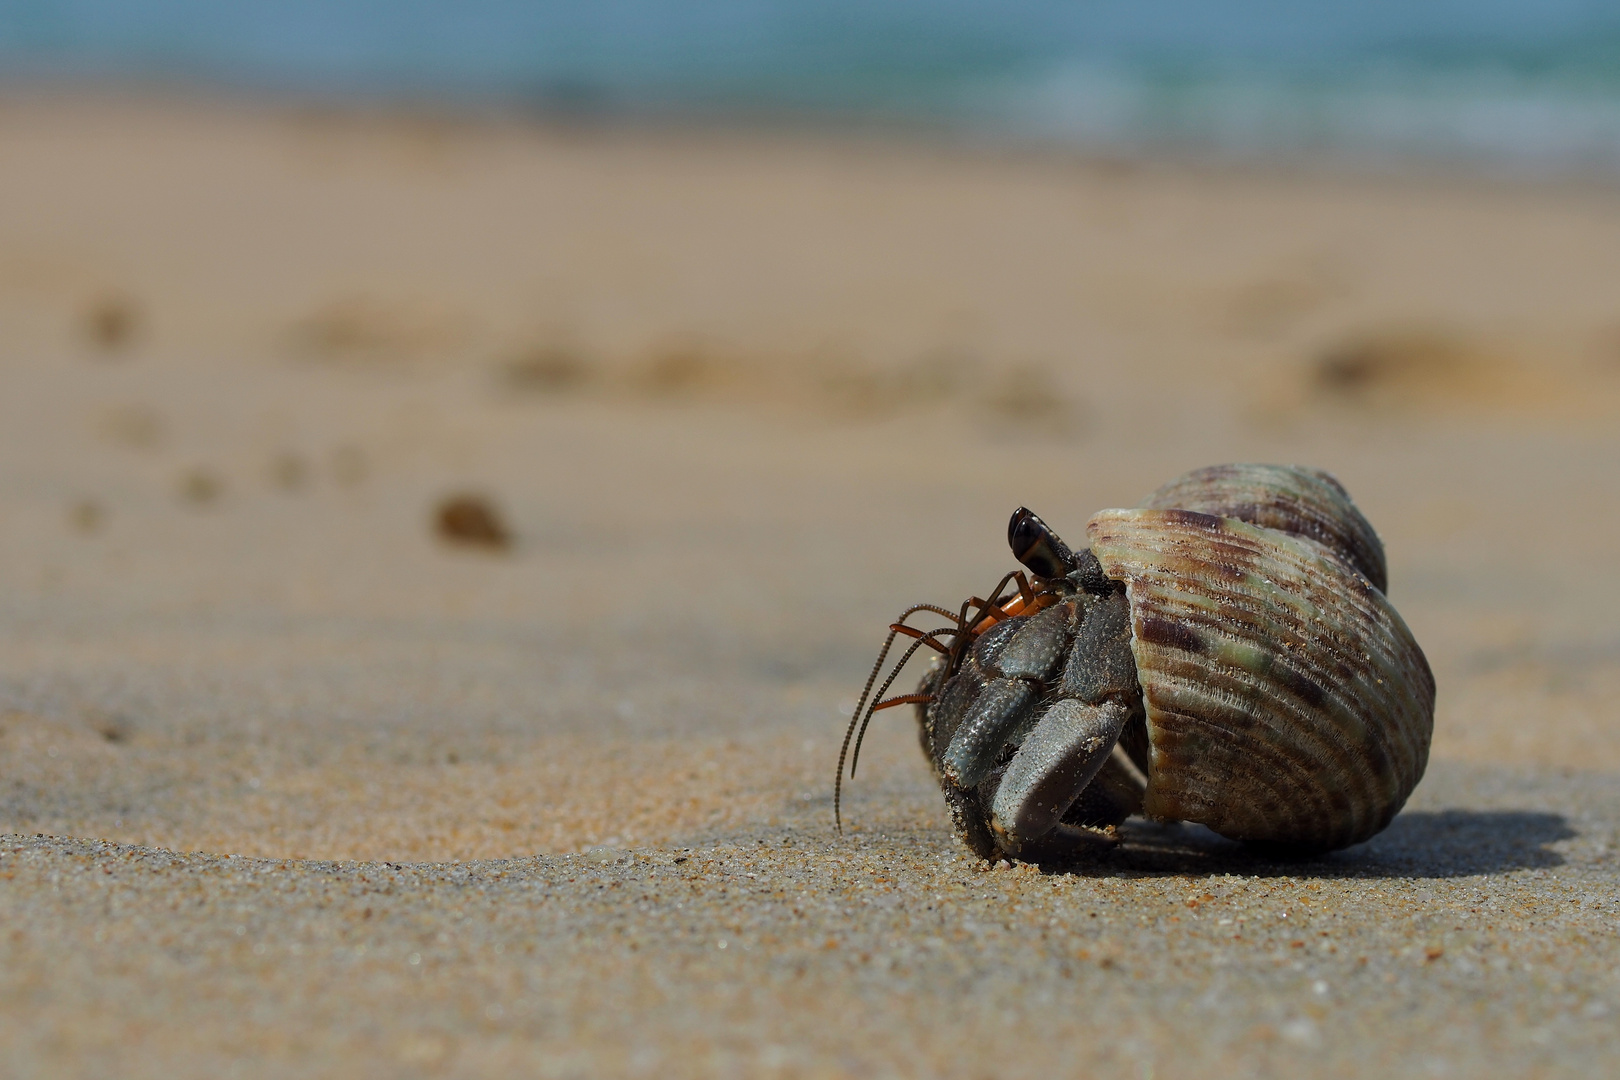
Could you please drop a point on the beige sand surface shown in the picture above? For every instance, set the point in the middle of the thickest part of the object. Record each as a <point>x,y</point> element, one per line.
<point>740,398</point>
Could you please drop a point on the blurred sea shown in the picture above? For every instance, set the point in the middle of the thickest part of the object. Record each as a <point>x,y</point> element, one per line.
<point>1524,84</point>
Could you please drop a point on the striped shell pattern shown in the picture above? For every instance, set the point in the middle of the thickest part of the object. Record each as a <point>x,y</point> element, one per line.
<point>1286,701</point>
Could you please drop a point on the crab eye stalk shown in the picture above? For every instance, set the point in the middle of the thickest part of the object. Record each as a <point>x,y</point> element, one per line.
<point>1035,545</point>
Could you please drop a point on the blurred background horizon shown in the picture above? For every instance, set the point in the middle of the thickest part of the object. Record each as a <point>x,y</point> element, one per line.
<point>1505,85</point>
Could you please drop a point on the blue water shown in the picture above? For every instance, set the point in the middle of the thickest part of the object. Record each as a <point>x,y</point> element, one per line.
<point>1517,82</point>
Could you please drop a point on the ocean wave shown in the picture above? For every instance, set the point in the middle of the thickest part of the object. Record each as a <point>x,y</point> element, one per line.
<point>1516,82</point>
<point>1487,116</point>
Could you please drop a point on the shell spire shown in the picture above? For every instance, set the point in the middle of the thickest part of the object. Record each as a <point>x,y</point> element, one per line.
<point>1301,502</point>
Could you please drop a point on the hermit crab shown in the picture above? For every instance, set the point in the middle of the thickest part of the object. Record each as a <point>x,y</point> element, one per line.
<point>1222,654</point>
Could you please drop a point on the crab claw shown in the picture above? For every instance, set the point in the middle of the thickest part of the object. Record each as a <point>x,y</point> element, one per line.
<point>1062,753</point>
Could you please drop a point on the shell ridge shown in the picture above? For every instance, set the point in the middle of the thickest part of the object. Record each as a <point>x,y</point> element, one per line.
<point>1233,693</point>
<point>1243,687</point>
<point>1263,814</point>
<point>1359,750</point>
<point>1303,502</point>
<point>1225,743</point>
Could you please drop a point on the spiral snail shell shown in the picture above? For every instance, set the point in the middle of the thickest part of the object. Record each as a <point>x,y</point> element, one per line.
<point>1230,636</point>
<point>1286,701</point>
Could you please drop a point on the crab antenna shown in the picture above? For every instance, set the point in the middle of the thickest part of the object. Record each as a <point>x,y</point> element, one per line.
<point>894,673</point>
<point>914,608</point>
<point>838,782</point>
<point>865,693</point>
<point>897,627</point>
<point>849,732</point>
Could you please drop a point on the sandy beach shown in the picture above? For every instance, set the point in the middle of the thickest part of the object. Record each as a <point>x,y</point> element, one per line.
<point>291,783</point>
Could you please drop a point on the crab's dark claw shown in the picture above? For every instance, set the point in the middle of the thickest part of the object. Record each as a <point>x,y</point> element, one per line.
<point>1036,546</point>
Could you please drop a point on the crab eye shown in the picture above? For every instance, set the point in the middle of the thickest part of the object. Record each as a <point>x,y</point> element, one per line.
<point>1036,546</point>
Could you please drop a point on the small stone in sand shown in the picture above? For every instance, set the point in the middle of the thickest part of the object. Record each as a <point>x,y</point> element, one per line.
<point>87,516</point>
<point>201,487</point>
<point>112,322</point>
<point>549,370</point>
<point>471,520</point>
<point>112,727</point>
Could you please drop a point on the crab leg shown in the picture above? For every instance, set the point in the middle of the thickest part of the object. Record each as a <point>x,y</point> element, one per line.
<point>1007,705</point>
<point>1000,709</point>
<point>925,638</point>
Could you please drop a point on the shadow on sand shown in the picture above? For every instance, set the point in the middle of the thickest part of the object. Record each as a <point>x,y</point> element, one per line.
<point>1418,844</point>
